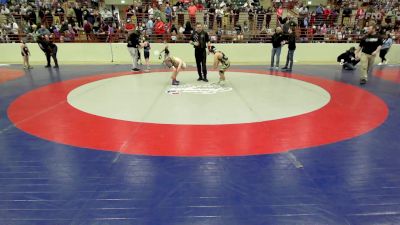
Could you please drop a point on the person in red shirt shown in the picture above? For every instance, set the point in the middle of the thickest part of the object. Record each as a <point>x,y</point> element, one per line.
<point>159,27</point>
<point>129,26</point>
<point>199,6</point>
<point>279,13</point>
<point>360,15</point>
<point>192,13</point>
<point>88,28</point>
<point>327,13</point>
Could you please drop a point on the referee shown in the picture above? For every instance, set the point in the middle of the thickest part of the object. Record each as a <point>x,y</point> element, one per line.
<point>200,40</point>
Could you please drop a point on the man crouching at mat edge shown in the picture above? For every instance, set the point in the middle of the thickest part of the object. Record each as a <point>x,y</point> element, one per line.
<point>220,57</point>
<point>176,64</point>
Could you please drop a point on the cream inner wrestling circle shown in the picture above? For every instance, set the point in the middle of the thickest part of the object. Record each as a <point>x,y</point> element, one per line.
<point>245,98</point>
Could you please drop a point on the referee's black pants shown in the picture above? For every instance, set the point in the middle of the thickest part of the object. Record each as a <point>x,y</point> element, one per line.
<point>53,54</point>
<point>201,58</point>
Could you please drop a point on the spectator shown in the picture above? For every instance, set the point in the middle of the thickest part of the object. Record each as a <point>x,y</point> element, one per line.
<point>149,27</point>
<point>303,13</point>
<point>4,10</point>
<point>85,13</point>
<point>181,15</point>
<point>319,12</point>
<point>360,16</point>
<point>88,28</point>
<point>346,15</point>
<point>239,32</point>
<point>68,35</point>
<point>211,13</point>
<point>159,27</point>
<point>64,27</point>
<point>150,12</point>
<point>12,27</point>
<point>31,15</point>
<point>192,13</point>
<point>59,11</point>
<point>130,11</point>
<point>188,29</point>
<point>236,12</point>
<point>268,17</point>
<point>326,14</point>
<point>246,28</point>
<point>43,30</point>
<point>168,12</point>
<point>260,17</point>
<point>173,30</point>
<point>78,14</point>
<point>219,13</point>
<point>279,13</point>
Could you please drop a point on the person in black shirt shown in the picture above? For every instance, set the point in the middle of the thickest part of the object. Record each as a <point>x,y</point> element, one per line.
<point>133,45</point>
<point>31,15</point>
<point>59,11</point>
<point>291,40</point>
<point>348,59</point>
<point>49,48</point>
<point>200,40</point>
<point>85,13</point>
<point>78,14</point>
<point>370,46</point>
<point>277,41</point>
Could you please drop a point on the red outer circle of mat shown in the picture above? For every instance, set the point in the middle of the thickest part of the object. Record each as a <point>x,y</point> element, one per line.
<point>389,74</point>
<point>45,113</point>
<point>10,74</point>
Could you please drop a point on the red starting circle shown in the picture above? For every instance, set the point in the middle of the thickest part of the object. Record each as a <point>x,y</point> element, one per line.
<point>45,113</point>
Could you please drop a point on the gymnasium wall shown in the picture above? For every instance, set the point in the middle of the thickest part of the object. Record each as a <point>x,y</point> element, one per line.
<point>257,54</point>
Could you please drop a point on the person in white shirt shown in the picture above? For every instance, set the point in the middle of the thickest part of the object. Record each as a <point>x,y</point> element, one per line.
<point>4,10</point>
<point>387,43</point>
<point>150,11</point>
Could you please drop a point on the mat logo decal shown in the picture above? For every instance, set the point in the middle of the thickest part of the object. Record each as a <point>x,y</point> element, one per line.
<point>206,89</point>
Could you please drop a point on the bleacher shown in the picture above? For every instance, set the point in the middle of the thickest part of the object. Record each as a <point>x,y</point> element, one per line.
<point>257,29</point>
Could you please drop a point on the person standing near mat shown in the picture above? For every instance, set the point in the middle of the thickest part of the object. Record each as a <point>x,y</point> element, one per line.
<point>387,43</point>
<point>370,46</point>
<point>133,45</point>
<point>291,41</point>
<point>200,40</point>
<point>25,55</point>
<point>277,41</point>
